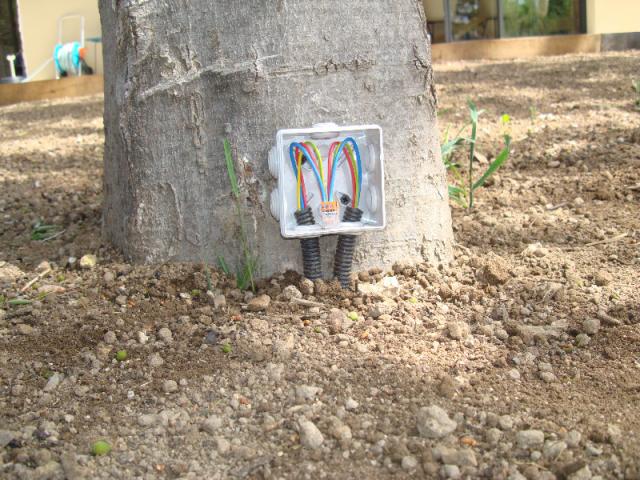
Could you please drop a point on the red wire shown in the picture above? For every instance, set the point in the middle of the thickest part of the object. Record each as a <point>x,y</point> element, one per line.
<point>304,189</point>
<point>330,163</point>
<point>353,176</point>
<point>312,155</point>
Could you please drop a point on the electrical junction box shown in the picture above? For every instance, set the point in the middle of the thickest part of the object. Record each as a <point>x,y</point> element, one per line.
<point>340,167</point>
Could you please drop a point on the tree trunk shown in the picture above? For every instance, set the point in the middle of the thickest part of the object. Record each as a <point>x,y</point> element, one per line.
<point>182,75</point>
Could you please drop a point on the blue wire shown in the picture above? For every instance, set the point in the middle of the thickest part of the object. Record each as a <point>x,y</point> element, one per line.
<point>295,172</point>
<point>356,150</point>
<point>313,167</point>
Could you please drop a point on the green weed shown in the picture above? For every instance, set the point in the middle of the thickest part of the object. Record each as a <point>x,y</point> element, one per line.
<point>42,232</point>
<point>635,84</point>
<point>245,270</point>
<point>463,189</point>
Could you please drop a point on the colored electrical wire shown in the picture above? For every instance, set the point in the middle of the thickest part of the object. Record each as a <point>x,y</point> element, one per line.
<point>314,168</point>
<point>354,184</point>
<point>301,200</point>
<point>301,190</point>
<point>330,160</point>
<point>318,156</point>
<point>358,167</point>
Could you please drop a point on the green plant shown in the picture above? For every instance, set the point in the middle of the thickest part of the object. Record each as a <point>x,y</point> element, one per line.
<point>207,274</point>
<point>635,84</point>
<point>43,232</point>
<point>121,355</point>
<point>463,189</point>
<point>245,270</point>
<point>226,348</point>
<point>101,447</point>
<point>16,302</point>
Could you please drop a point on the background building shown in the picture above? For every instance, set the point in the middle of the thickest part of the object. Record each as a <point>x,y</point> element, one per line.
<point>30,27</point>
<point>458,20</point>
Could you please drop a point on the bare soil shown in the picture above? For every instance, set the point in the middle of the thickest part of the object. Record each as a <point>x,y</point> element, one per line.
<point>529,340</point>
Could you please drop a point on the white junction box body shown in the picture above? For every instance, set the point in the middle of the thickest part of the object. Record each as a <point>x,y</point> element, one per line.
<point>368,172</point>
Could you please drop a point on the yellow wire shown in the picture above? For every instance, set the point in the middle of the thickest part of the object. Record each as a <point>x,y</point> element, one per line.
<point>315,149</point>
<point>299,179</point>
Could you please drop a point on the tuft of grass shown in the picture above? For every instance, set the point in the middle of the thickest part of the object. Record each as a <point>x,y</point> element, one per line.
<point>246,268</point>
<point>207,273</point>
<point>463,189</point>
<point>635,84</point>
<point>222,264</point>
<point>42,232</point>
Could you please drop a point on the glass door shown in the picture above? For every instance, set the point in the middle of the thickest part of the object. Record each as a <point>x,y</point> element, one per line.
<point>473,19</point>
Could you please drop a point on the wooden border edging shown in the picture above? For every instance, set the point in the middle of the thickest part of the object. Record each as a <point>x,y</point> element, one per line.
<point>11,93</point>
<point>514,48</point>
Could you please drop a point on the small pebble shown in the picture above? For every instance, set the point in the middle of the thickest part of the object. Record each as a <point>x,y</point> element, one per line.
<point>528,439</point>
<point>165,335</point>
<point>259,303</point>
<point>155,360</point>
<point>170,386</point>
<point>310,436</point>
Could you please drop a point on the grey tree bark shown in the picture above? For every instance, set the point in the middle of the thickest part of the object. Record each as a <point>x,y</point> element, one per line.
<point>181,75</point>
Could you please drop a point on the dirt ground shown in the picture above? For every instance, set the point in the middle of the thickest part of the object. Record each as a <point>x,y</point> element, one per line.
<point>529,342</point>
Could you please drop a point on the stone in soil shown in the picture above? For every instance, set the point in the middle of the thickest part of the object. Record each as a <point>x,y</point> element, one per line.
<point>603,278</point>
<point>553,449</point>
<point>591,326</point>
<point>305,393</point>
<point>212,424</point>
<point>259,303</point>
<point>548,377</point>
<point>306,286</point>
<point>88,261</point>
<point>310,436</point>
<point>462,457</point>
<point>458,330</point>
<point>165,335</point>
<point>528,439</point>
<point>170,386</point>
<point>495,270</point>
<point>219,301</point>
<point>409,462</point>
<point>155,360</point>
<point>433,422</point>
<point>451,471</point>
<point>336,320</point>
<point>290,292</point>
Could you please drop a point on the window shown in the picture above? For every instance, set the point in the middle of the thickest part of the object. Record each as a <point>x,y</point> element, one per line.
<point>458,20</point>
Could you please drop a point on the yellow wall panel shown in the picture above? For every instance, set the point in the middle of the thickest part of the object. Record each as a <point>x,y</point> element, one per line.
<point>38,21</point>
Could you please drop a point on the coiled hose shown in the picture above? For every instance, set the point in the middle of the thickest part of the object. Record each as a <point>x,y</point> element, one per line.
<point>346,247</point>
<point>311,260</point>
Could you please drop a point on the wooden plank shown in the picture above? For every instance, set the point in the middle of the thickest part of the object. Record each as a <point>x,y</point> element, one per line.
<point>11,93</point>
<point>514,48</point>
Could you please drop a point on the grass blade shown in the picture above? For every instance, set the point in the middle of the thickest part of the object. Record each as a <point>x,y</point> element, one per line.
<point>223,265</point>
<point>495,165</point>
<point>230,169</point>
<point>18,301</point>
